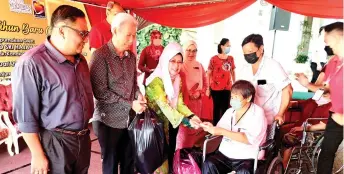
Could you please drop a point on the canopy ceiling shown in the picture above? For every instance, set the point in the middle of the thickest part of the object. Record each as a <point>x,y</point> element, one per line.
<point>197,13</point>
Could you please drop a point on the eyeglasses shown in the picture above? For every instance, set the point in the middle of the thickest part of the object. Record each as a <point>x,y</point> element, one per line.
<point>83,34</point>
<point>192,51</point>
<point>176,62</point>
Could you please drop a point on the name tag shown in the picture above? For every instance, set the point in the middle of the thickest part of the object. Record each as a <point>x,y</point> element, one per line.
<point>261,82</point>
<point>318,94</point>
<point>227,139</point>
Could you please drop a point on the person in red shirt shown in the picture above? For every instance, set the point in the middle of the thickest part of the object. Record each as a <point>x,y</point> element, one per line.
<point>334,85</point>
<point>221,75</point>
<point>100,34</point>
<point>150,55</point>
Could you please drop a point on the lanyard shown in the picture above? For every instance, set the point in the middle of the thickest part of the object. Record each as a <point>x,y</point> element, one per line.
<point>334,74</point>
<point>239,118</point>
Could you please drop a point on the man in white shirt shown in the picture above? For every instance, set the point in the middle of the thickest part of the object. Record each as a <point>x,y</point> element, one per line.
<point>243,127</point>
<point>273,88</point>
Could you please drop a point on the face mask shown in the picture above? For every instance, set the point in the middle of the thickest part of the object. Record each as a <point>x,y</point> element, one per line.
<point>322,101</point>
<point>157,42</point>
<point>236,104</point>
<point>329,51</point>
<point>251,58</point>
<point>227,50</point>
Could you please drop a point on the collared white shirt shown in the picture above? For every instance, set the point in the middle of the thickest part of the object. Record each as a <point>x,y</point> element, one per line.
<point>253,124</point>
<point>269,95</point>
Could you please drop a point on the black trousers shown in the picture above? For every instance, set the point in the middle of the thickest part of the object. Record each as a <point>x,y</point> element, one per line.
<point>67,154</point>
<point>221,103</point>
<point>95,126</point>
<point>116,148</point>
<point>218,163</point>
<point>172,145</point>
<point>332,138</point>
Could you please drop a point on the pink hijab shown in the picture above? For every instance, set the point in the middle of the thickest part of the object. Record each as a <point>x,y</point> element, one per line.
<point>161,71</point>
<point>193,75</point>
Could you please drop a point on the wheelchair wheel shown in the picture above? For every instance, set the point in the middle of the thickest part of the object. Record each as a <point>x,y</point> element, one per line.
<point>293,171</point>
<point>276,166</point>
<point>316,153</point>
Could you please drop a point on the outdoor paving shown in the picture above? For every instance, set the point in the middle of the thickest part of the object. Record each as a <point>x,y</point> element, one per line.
<point>20,164</point>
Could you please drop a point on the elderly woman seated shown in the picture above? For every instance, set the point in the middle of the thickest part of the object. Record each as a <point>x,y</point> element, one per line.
<point>243,127</point>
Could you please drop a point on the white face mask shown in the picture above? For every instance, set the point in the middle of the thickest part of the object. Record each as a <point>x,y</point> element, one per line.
<point>157,42</point>
<point>322,101</point>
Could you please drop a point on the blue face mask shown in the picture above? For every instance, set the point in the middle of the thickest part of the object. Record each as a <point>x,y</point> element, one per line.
<point>235,103</point>
<point>227,50</point>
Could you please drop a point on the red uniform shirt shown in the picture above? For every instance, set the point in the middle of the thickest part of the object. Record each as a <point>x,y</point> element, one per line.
<point>149,59</point>
<point>334,77</point>
<point>221,78</point>
<point>100,34</point>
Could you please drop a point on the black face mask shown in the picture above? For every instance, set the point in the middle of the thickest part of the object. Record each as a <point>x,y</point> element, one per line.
<point>329,51</point>
<point>251,58</point>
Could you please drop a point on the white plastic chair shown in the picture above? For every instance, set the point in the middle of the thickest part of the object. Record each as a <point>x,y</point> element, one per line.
<point>9,140</point>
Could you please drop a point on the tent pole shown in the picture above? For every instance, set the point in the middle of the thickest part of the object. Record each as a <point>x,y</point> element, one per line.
<point>273,45</point>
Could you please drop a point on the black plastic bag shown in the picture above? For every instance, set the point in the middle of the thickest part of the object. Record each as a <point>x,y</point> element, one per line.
<point>149,141</point>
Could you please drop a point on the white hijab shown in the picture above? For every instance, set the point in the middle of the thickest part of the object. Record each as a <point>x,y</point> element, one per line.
<point>161,71</point>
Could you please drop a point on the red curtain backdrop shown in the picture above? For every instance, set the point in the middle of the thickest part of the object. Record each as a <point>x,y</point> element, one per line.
<point>95,14</point>
<point>136,4</point>
<point>188,15</point>
<point>314,8</point>
<point>194,15</point>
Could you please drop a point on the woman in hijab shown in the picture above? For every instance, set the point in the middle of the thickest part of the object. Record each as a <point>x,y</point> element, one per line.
<point>166,99</point>
<point>149,57</point>
<point>194,87</point>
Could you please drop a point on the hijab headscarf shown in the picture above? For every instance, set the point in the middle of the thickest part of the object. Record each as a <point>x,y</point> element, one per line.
<point>154,51</point>
<point>161,71</point>
<point>193,68</point>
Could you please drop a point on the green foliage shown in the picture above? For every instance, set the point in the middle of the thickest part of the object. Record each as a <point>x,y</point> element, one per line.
<point>306,36</point>
<point>301,58</point>
<point>302,49</point>
<point>169,35</point>
<point>307,28</point>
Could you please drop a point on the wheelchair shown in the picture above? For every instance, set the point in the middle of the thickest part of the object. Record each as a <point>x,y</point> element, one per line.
<point>272,164</point>
<point>305,156</point>
<point>307,153</point>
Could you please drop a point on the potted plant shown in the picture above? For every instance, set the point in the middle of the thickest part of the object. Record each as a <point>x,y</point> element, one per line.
<point>301,65</point>
<point>301,58</point>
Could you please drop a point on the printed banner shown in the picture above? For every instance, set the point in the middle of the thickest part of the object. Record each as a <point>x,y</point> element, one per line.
<point>24,25</point>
